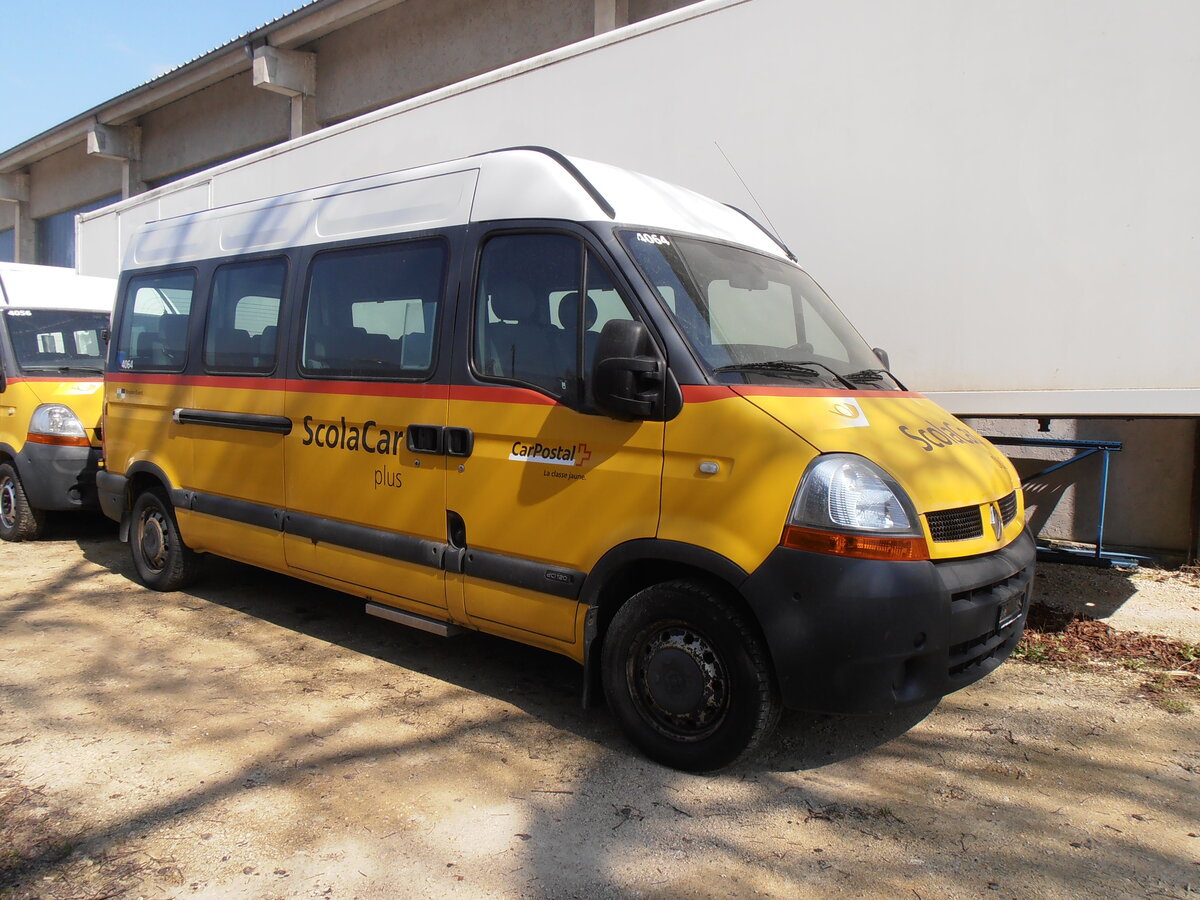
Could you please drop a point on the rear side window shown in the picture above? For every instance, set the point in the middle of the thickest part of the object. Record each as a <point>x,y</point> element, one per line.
<point>242,334</point>
<point>373,312</point>
<point>154,322</point>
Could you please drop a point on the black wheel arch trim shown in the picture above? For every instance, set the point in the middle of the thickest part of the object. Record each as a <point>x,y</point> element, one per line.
<point>7,450</point>
<point>658,550</point>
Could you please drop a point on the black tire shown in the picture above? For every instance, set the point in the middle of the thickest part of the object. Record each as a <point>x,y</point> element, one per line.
<point>688,677</point>
<point>18,520</point>
<point>163,561</point>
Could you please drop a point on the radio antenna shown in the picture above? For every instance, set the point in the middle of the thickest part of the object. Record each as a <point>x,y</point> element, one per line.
<point>748,191</point>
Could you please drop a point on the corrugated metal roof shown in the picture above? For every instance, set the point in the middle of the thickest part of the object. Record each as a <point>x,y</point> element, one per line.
<point>239,39</point>
<point>62,134</point>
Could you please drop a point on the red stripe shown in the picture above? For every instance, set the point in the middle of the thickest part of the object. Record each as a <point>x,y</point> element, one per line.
<point>95,379</point>
<point>500,394</point>
<point>368,389</point>
<point>478,393</point>
<point>756,391</point>
<point>705,393</point>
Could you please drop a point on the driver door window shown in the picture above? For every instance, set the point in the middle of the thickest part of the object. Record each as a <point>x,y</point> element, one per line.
<point>541,302</point>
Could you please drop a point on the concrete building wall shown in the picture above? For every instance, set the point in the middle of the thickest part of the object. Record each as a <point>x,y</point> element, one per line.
<point>1151,481</point>
<point>225,120</point>
<point>405,49</point>
<point>420,45</point>
<point>646,9</point>
<point>68,179</point>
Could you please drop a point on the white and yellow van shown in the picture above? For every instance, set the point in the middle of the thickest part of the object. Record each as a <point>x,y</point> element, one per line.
<point>52,326</point>
<point>574,406</point>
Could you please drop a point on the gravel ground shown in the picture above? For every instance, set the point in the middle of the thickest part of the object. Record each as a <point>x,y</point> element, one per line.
<point>260,737</point>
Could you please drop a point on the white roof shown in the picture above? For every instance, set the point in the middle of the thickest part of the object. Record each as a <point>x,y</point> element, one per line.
<point>504,184</point>
<point>54,287</point>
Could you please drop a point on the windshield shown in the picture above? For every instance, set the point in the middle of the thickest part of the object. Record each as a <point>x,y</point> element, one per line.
<point>57,340</point>
<point>754,319</point>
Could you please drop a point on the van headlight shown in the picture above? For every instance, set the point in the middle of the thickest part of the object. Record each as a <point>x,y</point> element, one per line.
<point>847,505</point>
<point>54,423</point>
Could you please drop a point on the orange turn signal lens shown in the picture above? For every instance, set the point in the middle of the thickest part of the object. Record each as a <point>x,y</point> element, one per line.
<point>60,440</point>
<point>860,546</point>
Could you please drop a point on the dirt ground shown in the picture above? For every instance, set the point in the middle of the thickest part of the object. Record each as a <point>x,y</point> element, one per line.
<point>259,737</point>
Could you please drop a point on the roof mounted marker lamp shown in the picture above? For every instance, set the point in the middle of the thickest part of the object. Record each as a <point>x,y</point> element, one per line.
<point>848,506</point>
<point>53,423</point>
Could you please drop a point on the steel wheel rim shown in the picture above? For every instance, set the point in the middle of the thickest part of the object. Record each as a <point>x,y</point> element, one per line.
<point>152,540</point>
<point>680,682</point>
<point>8,503</point>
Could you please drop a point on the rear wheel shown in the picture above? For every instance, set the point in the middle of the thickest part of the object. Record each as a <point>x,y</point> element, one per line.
<point>18,520</point>
<point>688,677</point>
<point>162,560</point>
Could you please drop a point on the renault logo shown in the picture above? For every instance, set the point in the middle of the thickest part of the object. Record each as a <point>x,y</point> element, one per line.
<point>997,522</point>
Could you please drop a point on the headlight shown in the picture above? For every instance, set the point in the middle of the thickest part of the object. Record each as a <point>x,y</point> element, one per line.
<point>843,491</point>
<point>53,423</point>
<point>848,506</point>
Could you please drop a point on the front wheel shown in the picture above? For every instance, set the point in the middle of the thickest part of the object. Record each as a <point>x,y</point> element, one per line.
<point>688,677</point>
<point>163,561</point>
<point>18,520</point>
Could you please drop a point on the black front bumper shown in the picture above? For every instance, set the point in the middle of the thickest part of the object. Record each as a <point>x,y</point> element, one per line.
<point>56,477</point>
<point>865,636</point>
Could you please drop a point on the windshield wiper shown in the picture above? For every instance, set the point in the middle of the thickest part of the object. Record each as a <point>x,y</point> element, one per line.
<point>95,370</point>
<point>779,366</point>
<point>870,376</point>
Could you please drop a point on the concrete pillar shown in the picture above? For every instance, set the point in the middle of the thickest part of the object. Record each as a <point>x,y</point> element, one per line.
<point>14,188</point>
<point>304,115</point>
<point>294,74</point>
<point>123,144</point>
<point>611,14</point>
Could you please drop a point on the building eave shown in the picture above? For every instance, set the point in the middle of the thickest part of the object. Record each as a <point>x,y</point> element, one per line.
<point>296,28</point>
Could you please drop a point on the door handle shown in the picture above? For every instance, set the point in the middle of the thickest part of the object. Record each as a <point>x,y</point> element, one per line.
<point>458,441</point>
<point>424,439</point>
<point>439,441</point>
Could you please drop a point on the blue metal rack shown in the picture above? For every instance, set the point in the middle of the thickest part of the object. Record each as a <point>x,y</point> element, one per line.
<point>1099,556</point>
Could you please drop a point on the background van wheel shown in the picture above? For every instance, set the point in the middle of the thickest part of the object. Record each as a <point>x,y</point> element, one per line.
<point>18,520</point>
<point>162,560</point>
<point>688,677</point>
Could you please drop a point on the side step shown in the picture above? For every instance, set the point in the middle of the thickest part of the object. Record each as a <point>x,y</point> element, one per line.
<point>412,620</point>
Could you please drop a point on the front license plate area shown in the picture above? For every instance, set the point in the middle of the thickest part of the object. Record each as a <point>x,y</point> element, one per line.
<point>1010,610</point>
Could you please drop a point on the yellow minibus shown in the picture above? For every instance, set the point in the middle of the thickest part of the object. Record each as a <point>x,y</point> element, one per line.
<point>52,328</point>
<point>570,405</point>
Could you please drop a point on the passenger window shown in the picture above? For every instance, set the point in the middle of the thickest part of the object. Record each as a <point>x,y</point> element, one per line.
<point>531,324</point>
<point>373,312</point>
<point>242,332</point>
<point>154,327</point>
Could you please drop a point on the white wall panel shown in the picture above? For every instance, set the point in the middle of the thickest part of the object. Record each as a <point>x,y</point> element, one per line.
<point>1003,193</point>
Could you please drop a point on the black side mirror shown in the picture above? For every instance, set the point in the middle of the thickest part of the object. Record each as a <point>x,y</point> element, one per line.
<point>628,375</point>
<point>883,357</point>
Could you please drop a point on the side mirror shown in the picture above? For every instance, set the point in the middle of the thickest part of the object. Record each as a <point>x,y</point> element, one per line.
<point>883,357</point>
<point>628,375</point>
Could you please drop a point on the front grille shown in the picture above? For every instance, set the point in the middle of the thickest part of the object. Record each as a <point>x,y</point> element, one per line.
<point>1008,507</point>
<point>1002,603</point>
<point>961,524</point>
